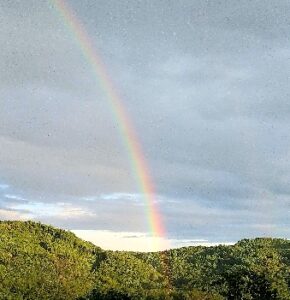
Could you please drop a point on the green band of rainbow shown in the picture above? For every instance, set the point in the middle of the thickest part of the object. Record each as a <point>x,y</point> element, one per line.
<point>126,129</point>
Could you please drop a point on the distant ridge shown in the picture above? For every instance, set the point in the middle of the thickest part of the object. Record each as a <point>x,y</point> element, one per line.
<point>42,262</point>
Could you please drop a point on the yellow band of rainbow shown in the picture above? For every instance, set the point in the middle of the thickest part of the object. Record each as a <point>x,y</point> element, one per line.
<point>125,126</point>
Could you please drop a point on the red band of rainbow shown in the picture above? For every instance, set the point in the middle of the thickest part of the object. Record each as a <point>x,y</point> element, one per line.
<point>125,126</point>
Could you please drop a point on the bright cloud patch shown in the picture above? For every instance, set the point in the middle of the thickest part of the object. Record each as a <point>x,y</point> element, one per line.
<point>4,186</point>
<point>132,198</point>
<point>14,197</point>
<point>136,241</point>
<point>6,214</point>
<point>59,210</point>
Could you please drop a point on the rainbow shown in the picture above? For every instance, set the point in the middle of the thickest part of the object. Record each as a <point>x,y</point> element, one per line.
<point>126,128</point>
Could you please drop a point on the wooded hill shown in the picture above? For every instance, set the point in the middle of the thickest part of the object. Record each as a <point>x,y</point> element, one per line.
<point>42,262</point>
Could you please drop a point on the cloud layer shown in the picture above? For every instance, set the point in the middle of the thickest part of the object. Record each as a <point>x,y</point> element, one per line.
<point>206,85</point>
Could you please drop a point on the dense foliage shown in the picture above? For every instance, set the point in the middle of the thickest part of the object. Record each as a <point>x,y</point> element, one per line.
<point>42,262</point>
<point>250,269</point>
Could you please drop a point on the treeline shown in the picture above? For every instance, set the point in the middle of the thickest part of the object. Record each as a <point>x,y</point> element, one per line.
<point>42,262</point>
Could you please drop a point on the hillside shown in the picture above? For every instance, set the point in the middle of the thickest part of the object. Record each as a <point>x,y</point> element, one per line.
<point>42,262</point>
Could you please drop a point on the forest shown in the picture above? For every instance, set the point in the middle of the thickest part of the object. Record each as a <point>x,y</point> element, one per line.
<point>42,262</point>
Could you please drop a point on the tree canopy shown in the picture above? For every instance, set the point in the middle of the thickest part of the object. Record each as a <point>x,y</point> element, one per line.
<point>42,262</point>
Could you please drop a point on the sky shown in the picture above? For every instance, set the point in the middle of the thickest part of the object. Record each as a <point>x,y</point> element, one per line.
<point>206,85</point>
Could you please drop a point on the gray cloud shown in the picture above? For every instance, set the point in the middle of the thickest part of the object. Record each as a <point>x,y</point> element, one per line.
<point>206,84</point>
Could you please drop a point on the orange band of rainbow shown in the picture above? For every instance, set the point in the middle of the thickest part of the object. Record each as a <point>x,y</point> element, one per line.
<point>126,129</point>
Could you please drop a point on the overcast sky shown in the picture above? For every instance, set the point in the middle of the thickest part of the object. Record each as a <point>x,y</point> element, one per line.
<point>207,85</point>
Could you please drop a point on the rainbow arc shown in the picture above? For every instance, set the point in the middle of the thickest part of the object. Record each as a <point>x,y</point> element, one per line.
<point>126,129</point>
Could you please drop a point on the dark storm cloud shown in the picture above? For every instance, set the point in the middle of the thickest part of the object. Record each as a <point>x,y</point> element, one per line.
<point>206,84</point>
